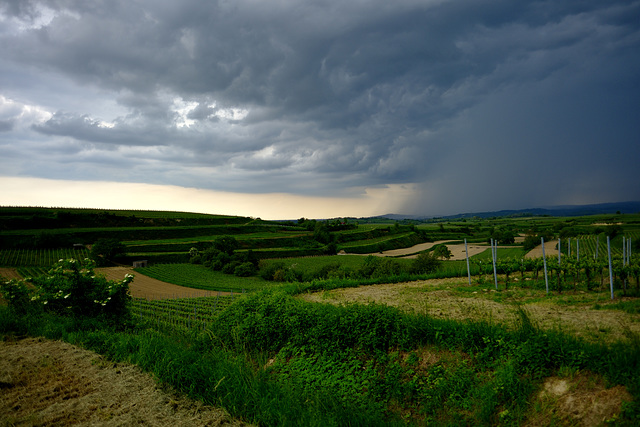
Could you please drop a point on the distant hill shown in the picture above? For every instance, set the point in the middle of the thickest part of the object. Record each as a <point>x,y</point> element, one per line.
<point>564,210</point>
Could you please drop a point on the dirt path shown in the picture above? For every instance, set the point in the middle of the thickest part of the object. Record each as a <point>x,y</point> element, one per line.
<point>148,288</point>
<point>54,383</point>
<point>406,251</point>
<point>549,250</point>
<point>458,251</point>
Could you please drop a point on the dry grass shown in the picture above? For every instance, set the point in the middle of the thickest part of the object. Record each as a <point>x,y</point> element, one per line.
<point>580,400</point>
<point>446,298</point>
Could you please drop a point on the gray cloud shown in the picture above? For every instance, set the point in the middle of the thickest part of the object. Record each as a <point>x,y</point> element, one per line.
<point>469,101</point>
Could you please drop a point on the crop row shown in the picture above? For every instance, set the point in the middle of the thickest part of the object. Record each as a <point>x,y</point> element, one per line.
<point>590,245</point>
<point>199,277</point>
<point>182,314</point>
<point>38,257</point>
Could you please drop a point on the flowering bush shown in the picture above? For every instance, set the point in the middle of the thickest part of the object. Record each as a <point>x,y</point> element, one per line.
<point>71,288</point>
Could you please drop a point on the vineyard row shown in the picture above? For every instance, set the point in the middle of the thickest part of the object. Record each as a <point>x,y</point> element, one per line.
<point>38,257</point>
<point>185,314</point>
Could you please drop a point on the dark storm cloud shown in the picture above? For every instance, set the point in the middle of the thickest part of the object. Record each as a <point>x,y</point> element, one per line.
<point>321,96</point>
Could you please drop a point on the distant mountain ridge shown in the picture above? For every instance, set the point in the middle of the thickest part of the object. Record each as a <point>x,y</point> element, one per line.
<point>561,210</point>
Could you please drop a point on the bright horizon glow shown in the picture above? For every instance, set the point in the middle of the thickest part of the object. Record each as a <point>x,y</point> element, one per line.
<point>18,191</point>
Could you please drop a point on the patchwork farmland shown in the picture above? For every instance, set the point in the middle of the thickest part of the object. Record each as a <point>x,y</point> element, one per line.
<point>350,320</point>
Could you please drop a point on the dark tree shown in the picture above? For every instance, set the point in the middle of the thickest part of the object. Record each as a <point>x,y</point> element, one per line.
<point>105,251</point>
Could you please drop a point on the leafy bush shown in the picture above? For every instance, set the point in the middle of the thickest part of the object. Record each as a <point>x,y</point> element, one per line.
<point>268,271</point>
<point>379,267</point>
<point>278,272</point>
<point>71,288</point>
<point>104,251</point>
<point>229,267</point>
<point>442,252</point>
<point>245,269</point>
<point>426,262</point>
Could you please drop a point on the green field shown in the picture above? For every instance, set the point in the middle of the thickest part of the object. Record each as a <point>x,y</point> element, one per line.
<point>200,277</point>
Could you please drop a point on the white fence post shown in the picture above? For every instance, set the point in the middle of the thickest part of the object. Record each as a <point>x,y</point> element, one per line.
<point>544,262</point>
<point>494,255</point>
<point>466,249</point>
<point>610,266</point>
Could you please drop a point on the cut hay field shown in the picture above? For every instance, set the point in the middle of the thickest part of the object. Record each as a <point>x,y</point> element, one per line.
<point>591,316</point>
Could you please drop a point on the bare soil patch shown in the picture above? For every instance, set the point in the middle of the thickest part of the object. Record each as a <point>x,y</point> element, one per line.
<point>407,251</point>
<point>54,383</point>
<point>9,273</point>
<point>549,250</point>
<point>582,400</point>
<point>458,251</point>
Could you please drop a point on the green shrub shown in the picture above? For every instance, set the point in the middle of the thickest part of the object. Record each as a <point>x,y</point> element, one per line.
<point>71,288</point>
<point>268,271</point>
<point>379,267</point>
<point>18,297</point>
<point>426,262</point>
<point>245,269</point>
<point>104,251</point>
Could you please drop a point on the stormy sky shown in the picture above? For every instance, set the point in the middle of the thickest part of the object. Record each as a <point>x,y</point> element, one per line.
<point>283,108</point>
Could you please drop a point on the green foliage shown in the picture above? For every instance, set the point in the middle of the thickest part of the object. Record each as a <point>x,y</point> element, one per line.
<point>104,251</point>
<point>222,256</point>
<point>245,269</point>
<point>226,244</point>
<point>442,252</point>
<point>504,236</point>
<point>379,267</point>
<point>426,262</point>
<point>71,288</point>
<point>533,239</point>
<point>271,321</point>
<point>18,297</point>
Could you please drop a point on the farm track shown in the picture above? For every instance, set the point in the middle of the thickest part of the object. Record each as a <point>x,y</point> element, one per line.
<point>549,250</point>
<point>458,252</point>
<point>141,287</point>
<point>149,288</point>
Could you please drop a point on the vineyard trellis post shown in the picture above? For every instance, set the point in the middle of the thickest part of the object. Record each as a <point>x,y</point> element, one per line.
<point>544,261</point>
<point>624,260</point>
<point>466,249</point>
<point>494,254</point>
<point>578,250</point>
<point>559,251</point>
<point>610,266</point>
